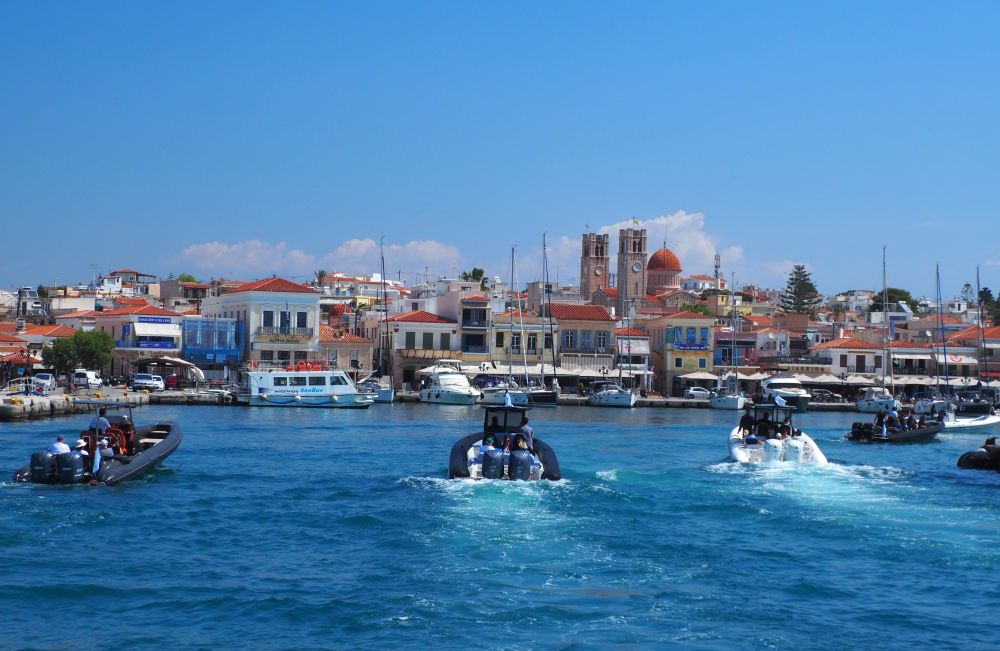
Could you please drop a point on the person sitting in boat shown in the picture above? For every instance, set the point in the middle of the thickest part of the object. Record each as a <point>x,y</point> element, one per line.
<point>489,443</point>
<point>103,455</point>
<point>59,447</point>
<point>911,422</point>
<point>764,427</point>
<point>922,423</point>
<point>128,435</point>
<point>746,422</point>
<point>506,443</point>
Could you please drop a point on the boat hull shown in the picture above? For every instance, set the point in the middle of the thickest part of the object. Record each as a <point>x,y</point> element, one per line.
<point>543,398</point>
<point>612,399</point>
<point>462,452</point>
<point>727,402</point>
<point>445,397</point>
<point>987,422</point>
<point>339,401</point>
<point>865,433</point>
<point>798,449</point>
<point>874,406</point>
<point>493,397</point>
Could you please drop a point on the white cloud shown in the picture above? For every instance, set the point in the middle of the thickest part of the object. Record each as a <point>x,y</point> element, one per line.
<point>993,263</point>
<point>362,256</point>
<point>249,258</point>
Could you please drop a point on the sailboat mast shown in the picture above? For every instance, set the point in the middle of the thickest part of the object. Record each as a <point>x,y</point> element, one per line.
<point>548,302</point>
<point>887,357</point>
<point>981,335</point>
<point>944,340</point>
<point>732,325</point>
<point>382,345</point>
<point>510,329</point>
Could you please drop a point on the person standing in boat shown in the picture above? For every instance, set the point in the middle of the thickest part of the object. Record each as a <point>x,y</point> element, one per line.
<point>100,422</point>
<point>528,433</point>
<point>746,422</point>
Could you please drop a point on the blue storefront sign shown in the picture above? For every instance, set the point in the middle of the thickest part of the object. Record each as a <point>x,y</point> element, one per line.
<point>154,319</point>
<point>157,344</point>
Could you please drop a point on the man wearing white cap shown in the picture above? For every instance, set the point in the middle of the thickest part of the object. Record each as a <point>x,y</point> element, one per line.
<point>104,452</point>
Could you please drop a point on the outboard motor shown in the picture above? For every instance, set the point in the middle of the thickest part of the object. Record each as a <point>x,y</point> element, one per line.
<point>493,464</point>
<point>519,465</point>
<point>70,468</point>
<point>43,467</point>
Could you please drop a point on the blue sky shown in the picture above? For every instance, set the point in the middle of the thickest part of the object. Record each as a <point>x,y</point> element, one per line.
<point>242,140</point>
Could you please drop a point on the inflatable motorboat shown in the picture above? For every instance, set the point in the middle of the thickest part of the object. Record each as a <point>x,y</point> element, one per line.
<point>773,437</point>
<point>987,457</point>
<point>869,433</point>
<point>137,450</point>
<point>483,455</point>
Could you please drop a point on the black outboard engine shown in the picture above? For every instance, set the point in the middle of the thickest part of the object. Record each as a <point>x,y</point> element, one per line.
<point>492,464</point>
<point>70,468</point>
<point>519,465</point>
<point>43,467</point>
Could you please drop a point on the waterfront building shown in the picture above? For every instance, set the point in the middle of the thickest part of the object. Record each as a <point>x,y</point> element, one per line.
<point>213,344</point>
<point>848,356</point>
<point>345,351</point>
<point>585,337</point>
<point>139,332</point>
<point>417,339</point>
<point>279,318</point>
<point>681,343</point>
<point>632,357</point>
<point>83,320</point>
<point>523,338</point>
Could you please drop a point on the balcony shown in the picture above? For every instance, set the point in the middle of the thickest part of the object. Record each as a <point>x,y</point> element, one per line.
<point>475,350</point>
<point>284,331</point>
<point>589,350</point>
<point>475,323</point>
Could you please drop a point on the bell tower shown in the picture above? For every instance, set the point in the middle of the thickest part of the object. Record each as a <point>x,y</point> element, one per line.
<point>593,265</point>
<point>631,269</point>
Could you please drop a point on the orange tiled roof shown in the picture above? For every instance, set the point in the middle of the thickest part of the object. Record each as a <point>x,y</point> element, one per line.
<point>664,259</point>
<point>274,285</point>
<point>906,343</point>
<point>78,315</point>
<point>128,300</point>
<point>8,326</point>
<point>191,312</point>
<point>11,339</point>
<point>476,298</point>
<point>142,310</point>
<point>630,332</point>
<point>571,312</point>
<point>51,331</point>
<point>852,343</point>
<point>612,292</point>
<point>329,335</point>
<point>688,314</point>
<point>418,316</point>
<point>194,285</point>
<point>19,359</point>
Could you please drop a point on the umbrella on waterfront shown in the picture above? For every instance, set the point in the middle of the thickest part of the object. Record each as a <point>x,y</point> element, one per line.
<point>858,380</point>
<point>699,375</point>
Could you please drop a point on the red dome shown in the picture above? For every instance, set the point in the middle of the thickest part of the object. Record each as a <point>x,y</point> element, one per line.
<point>664,259</point>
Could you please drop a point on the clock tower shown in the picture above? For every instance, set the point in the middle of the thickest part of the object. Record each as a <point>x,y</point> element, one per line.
<point>631,269</point>
<point>594,269</point>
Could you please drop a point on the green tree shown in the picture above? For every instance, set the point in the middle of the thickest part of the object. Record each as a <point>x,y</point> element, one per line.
<point>696,307</point>
<point>93,348</point>
<point>61,356</point>
<point>968,294</point>
<point>838,310</point>
<point>42,292</point>
<point>477,275</point>
<point>187,278</point>
<point>320,277</point>
<point>800,293</point>
<point>895,295</point>
<point>985,296</point>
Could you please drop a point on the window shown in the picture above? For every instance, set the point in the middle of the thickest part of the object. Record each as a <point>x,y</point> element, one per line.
<point>499,343</point>
<point>280,381</point>
<point>586,339</point>
<point>333,358</point>
<point>354,357</point>
<point>428,341</point>
<point>878,361</point>
<point>678,362</point>
<point>268,318</point>
<point>445,341</point>
<point>532,343</point>
<point>843,361</point>
<point>337,380</point>
<point>602,339</point>
<point>283,356</point>
<point>267,355</point>
<point>704,335</point>
<point>296,381</point>
<point>548,342</point>
<point>410,340</point>
<point>286,321</point>
<point>569,338</point>
<point>300,356</point>
<point>701,362</point>
<point>691,334</point>
<point>515,342</point>
<point>317,380</point>
<point>414,306</point>
<point>301,318</point>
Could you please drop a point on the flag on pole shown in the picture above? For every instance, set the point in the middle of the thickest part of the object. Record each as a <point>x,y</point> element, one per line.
<point>778,400</point>
<point>635,221</point>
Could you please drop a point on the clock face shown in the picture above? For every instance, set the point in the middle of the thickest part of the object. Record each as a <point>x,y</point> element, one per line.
<point>636,267</point>
<point>598,271</point>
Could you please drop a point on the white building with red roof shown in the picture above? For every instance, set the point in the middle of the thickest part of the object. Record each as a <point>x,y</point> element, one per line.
<point>417,339</point>
<point>279,320</point>
<point>585,336</point>
<point>345,351</point>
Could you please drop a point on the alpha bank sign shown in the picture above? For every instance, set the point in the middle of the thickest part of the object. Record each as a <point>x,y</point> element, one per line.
<point>154,319</point>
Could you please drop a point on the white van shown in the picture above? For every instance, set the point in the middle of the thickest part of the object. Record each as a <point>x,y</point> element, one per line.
<point>87,379</point>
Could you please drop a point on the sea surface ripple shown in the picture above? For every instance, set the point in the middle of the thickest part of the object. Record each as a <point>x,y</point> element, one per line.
<point>317,529</point>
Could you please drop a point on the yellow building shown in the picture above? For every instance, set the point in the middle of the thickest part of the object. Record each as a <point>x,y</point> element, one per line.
<point>681,343</point>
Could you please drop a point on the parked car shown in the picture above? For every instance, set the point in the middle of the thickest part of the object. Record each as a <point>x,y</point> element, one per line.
<point>173,382</point>
<point>697,392</point>
<point>46,380</point>
<point>822,395</point>
<point>148,381</point>
<point>87,379</point>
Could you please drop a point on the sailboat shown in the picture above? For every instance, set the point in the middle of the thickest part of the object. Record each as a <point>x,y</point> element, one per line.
<point>539,396</point>
<point>372,385</point>
<point>605,393</point>
<point>728,397</point>
<point>507,392</point>
<point>878,399</point>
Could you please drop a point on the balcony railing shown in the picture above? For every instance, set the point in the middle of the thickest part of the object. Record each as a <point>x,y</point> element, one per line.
<point>475,323</point>
<point>590,350</point>
<point>479,350</point>
<point>278,330</point>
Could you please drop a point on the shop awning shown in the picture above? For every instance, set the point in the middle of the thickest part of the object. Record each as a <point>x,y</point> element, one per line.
<point>699,375</point>
<point>633,346</point>
<point>859,380</point>
<point>954,358</point>
<point>911,356</point>
<point>157,329</point>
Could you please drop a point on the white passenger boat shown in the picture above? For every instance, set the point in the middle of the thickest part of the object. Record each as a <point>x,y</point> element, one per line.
<point>498,394</point>
<point>448,385</point>
<point>770,444</point>
<point>955,424</point>
<point>877,399</point>
<point>294,388</point>
<point>788,389</point>
<point>610,394</point>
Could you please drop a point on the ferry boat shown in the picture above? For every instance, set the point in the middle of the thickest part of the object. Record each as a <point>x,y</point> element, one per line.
<point>775,439</point>
<point>448,385</point>
<point>483,456</point>
<point>302,388</point>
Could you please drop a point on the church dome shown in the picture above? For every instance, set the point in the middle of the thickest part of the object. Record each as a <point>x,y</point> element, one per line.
<point>665,260</point>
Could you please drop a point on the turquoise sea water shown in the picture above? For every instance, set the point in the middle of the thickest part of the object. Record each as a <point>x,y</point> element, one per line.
<point>316,529</point>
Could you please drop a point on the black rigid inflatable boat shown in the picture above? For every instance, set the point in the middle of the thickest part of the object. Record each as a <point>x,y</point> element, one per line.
<point>138,450</point>
<point>987,457</point>
<point>468,460</point>
<point>869,433</point>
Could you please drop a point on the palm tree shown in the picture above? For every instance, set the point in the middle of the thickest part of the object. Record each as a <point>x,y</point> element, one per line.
<point>320,277</point>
